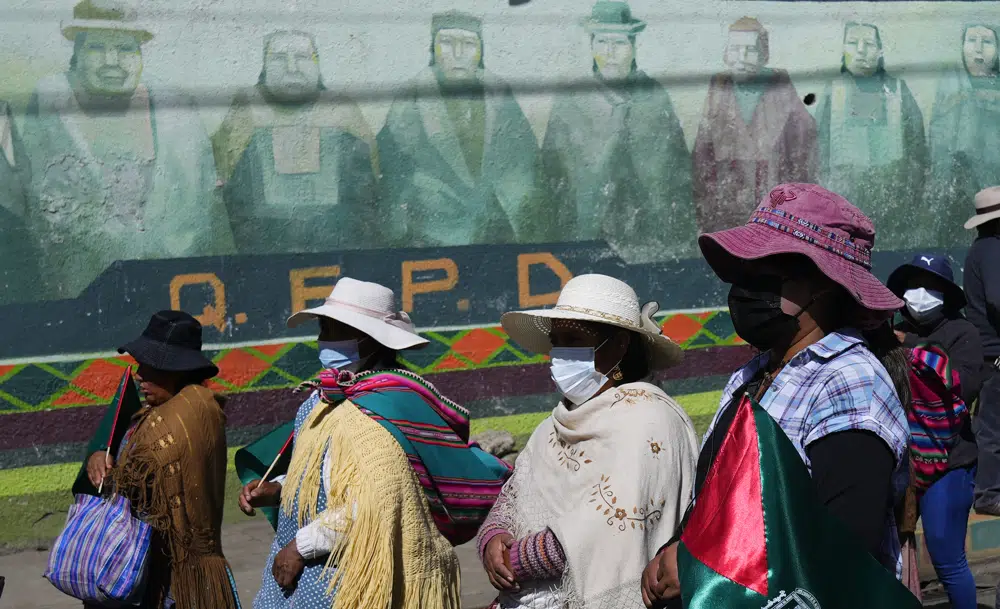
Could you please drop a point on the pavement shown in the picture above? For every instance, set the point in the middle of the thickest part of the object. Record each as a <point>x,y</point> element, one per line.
<point>246,545</point>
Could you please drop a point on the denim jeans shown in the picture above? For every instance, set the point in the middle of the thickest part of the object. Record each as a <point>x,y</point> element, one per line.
<point>944,509</point>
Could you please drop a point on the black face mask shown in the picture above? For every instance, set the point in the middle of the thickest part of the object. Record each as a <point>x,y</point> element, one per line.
<point>757,315</point>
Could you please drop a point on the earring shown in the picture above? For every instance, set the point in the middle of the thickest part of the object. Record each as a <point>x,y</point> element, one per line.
<point>616,374</point>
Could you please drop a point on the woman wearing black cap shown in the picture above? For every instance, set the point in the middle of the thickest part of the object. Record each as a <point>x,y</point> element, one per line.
<point>933,315</point>
<point>172,466</point>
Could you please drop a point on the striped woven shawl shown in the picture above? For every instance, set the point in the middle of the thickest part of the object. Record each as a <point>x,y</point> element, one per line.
<point>460,480</point>
<point>936,416</point>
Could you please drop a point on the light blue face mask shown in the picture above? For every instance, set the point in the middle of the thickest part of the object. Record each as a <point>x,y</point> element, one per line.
<point>340,354</point>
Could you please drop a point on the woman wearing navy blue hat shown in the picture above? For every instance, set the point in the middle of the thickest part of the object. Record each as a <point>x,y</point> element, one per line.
<point>933,314</point>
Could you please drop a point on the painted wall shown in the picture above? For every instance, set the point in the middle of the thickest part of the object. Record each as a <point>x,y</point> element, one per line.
<point>235,158</point>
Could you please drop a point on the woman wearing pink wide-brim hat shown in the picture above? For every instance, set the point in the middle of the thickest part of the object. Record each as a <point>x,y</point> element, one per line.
<point>830,370</point>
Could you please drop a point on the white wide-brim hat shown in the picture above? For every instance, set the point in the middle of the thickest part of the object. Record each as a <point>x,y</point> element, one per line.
<point>598,299</point>
<point>987,207</point>
<point>370,308</point>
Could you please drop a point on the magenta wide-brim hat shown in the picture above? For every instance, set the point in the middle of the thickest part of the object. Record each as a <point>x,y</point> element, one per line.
<point>814,222</point>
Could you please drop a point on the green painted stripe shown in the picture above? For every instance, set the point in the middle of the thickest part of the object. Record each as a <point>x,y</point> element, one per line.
<point>59,477</point>
<point>49,478</point>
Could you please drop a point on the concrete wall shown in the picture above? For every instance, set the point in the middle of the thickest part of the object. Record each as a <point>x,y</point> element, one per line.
<point>187,185</point>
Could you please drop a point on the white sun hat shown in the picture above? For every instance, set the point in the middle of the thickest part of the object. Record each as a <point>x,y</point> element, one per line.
<point>370,308</point>
<point>599,299</point>
<point>987,207</point>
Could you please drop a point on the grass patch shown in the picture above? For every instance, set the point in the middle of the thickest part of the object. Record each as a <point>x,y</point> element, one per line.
<point>700,407</point>
<point>34,500</point>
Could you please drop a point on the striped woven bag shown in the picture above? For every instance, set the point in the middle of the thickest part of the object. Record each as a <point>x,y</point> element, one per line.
<point>100,556</point>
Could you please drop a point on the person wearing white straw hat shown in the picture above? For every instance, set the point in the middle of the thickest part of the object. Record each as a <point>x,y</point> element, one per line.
<point>382,479</point>
<point>981,281</point>
<point>604,480</point>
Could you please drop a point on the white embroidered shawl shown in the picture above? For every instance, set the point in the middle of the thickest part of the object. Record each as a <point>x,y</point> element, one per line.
<point>612,479</point>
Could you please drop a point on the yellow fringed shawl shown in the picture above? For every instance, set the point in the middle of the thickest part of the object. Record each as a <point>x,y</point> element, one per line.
<point>392,556</point>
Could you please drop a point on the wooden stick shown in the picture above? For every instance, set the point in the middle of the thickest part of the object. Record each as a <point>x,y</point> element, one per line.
<point>268,472</point>
<point>275,462</point>
<point>107,454</point>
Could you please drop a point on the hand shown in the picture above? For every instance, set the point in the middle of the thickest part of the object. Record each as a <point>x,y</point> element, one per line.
<point>659,578</point>
<point>900,335</point>
<point>288,566</point>
<point>496,568</point>
<point>97,467</point>
<point>268,494</point>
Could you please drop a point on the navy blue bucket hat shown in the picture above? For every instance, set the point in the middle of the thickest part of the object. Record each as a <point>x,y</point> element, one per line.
<point>928,264</point>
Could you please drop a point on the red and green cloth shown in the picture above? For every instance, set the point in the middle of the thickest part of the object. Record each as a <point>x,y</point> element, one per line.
<point>759,538</point>
<point>111,431</point>
<point>460,480</point>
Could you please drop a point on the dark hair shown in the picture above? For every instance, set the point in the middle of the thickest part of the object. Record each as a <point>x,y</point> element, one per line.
<point>385,359</point>
<point>988,229</point>
<point>635,363</point>
<point>882,342</point>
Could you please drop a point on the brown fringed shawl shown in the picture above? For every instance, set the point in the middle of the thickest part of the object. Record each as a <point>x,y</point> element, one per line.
<point>174,473</point>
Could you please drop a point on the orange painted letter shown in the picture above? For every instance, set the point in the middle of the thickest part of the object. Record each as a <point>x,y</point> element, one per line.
<point>412,288</point>
<point>524,263</point>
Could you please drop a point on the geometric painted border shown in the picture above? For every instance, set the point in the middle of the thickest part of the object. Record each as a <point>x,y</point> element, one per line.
<point>42,386</point>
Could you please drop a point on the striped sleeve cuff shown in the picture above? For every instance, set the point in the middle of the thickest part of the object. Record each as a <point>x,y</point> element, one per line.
<point>486,533</point>
<point>538,557</point>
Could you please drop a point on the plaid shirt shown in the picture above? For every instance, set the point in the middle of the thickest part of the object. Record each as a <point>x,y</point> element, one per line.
<point>834,385</point>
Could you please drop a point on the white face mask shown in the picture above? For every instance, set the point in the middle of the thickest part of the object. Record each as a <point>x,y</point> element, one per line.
<point>574,373</point>
<point>923,303</point>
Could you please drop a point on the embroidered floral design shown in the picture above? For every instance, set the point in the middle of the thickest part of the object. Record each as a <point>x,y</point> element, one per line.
<point>606,500</point>
<point>570,456</point>
<point>632,396</point>
<point>655,448</point>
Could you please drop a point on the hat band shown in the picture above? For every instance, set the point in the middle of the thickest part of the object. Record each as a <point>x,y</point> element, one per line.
<point>360,309</point>
<point>608,316</point>
<point>398,319</point>
<point>813,234</point>
<point>988,210</point>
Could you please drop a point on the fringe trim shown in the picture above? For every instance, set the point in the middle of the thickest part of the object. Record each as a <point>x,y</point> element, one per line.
<point>370,566</point>
<point>139,480</point>
<point>203,582</point>
<point>198,573</point>
<point>305,470</point>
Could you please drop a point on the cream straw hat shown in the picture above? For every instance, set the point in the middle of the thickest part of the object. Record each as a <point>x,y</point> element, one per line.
<point>599,299</point>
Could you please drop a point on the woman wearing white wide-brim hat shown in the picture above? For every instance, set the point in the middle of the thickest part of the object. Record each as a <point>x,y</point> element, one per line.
<point>361,468</point>
<point>604,480</point>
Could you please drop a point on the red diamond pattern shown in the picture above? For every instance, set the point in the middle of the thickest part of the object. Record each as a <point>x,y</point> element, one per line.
<point>101,378</point>
<point>478,345</point>
<point>239,368</point>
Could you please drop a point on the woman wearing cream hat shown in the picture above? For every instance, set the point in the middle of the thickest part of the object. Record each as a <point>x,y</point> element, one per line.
<point>605,479</point>
<point>382,480</point>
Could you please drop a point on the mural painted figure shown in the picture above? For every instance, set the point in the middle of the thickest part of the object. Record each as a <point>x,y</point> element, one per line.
<point>615,166</point>
<point>295,165</point>
<point>872,145</point>
<point>755,133</point>
<point>965,134</point>
<point>18,255</point>
<point>121,172</point>
<point>458,156</point>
